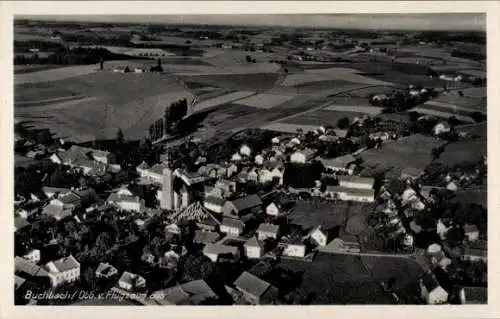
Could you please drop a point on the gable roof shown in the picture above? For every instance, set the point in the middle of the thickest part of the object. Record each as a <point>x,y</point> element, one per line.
<point>231,222</point>
<point>205,237</point>
<point>115,197</point>
<point>350,190</point>
<point>196,291</point>
<point>219,249</point>
<point>105,268</point>
<point>341,161</point>
<point>251,284</point>
<point>356,179</point>
<point>247,202</point>
<point>429,281</point>
<point>25,266</point>
<point>254,242</point>
<point>64,264</point>
<point>129,278</point>
<point>214,200</point>
<point>56,211</point>
<point>70,199</point>
<point>20,223</point>
<point>268,228</point>
<point>18,282</point>
<point>49,189</point>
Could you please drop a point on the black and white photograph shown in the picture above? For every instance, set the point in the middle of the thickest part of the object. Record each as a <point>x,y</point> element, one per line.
<point>250,159</point>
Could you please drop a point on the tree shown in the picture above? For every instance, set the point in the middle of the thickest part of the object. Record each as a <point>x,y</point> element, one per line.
<point>478,117</point>
<point>248,58</point>
<point>413,116</point>
<point>343,123</point>
<point>120,139</point>
<point>453,121</point>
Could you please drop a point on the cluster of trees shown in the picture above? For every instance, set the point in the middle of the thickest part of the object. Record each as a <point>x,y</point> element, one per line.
<point>71,56</point>
<point>466,54</point>
<point>439,36</point>
<point>249,59</point>
<point>157,129</point>
<point>174,113</point>
<point>401,101</point>
<point>302,175</point>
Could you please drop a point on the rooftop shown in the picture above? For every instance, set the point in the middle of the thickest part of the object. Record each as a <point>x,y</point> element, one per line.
<point>243,203</point>
<point>356,179</point>
<point>25,266</point>
<point>63,264</point>
<point>219,249</point>
<point>231,222</point>
<point>268,228</point>
<point>205,237</point>
<point>350,191</point>
<point>251,284</point>
<point>341,161</point>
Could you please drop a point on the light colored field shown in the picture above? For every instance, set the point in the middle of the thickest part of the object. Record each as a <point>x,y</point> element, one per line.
<point>422,110</point>
<point>347,74</point>
<point>475,92</point>
<point>54,106</point>
<point>227,98</point>
<point>449,106</point>
<point>371,110</point>
<point>265,101</point>
<point>54,74</point>
<point>297,79</point>
<point>476,73</point>
<point>288,128</point>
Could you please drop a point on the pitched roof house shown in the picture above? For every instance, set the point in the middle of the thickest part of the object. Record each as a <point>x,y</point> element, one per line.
<point>131,282</point>
<point>431,290</point>
<point>221,253</point>
<point>242,205</point>
<point>105,270</point>
<point>63,270</point>
<point>266,231</point>
<point>194,292</point>
<point>255,290</point>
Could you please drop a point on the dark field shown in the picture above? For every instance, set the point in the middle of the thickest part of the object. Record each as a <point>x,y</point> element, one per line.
<point>250,82</point>
<point>321,85</point>
<point>34,68</point>
<point>463,151</point>
<point>338,279</point>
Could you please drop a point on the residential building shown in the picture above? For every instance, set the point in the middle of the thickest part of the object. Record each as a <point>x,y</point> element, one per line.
<point>431,291</point>
<point>51,192</point>
<point>221,253</point>
<point>253,175</point>
<point>474,295</point>
<point>20,223</point>
<point>26,269</point>
<point>189,178</point>
<point>340,164</point>
<point>232,227</point>
<point>33,256</point>
<point>303,156</point>
<point>209,223</point>
<point>295,248</point>
<point>441,127</point>
<point>131,282</point>
<point>411,173</point>
<point>214,204</point>
<point>471,232</point>
<point>476,251</point>
<point>321,236</point>
<point>442,229</point>
<point>195,292</point>
<point>273,210</point>
<point>255,290</point>
<point>59,212</point>
<point>126,202</point>
<point>64,270</point>
<point>350,194</point>
<point>259,159</point>
<point>356,182</point>
<point>266,231</point>
<point>254,248</point>
<point>106,271</point>
<point>236,157</point>
<point>242,206</point>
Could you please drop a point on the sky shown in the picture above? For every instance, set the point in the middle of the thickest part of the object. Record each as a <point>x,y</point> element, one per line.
<point>427,21</point>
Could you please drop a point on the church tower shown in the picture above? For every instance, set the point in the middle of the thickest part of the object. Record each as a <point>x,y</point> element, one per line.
<point>167,194</point>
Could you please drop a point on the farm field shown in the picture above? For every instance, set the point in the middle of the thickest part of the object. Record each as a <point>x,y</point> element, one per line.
<point>50,75</point>
<point>479,129</point>
<point>308,215</point>
<point>252,82</point>
<point>441,113</point>
<point>338,279</point>
<point>21,69</point>
<point>322,117</point>
<point>265,101</point>
<point>414,151</point>
<point>347,74</point>
<point>288,128</point>
<point>370,110</point>
<point>463,151</point>
<point>223,99</point>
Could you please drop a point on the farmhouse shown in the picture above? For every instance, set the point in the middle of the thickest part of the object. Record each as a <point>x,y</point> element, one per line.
<point>126,202</point>
<point>340,164</point>
<point>255,290</point>
<point>254,248</point>
<point>351,194</point>
<point>242,206</point>
<point>266,231</point>
<point>221,253</point>
<point>232,227</point>
<point>64,270</point>
<point>303,156</point>
<point>356,182</point>
<point>131,282</point>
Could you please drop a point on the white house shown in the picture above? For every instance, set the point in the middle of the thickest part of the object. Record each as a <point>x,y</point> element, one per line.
<point>64,270</point>
<point>442,229</point>
<point>126,202</point>
<point>273,210</point>
<point>320,235</point>
<point>295,249</point>
<point>232,227</point>
<point>254,248</point>
<point>266,231</point>
<point>245,150</point>
<point>33,255</point>
<point>356,182</point>
<point>259,159</point>
<point>303,156</point>
<point>441,127</point>
<point>131,282</point>
<point>452,186</point>
<point>340,164</point>
<point>431,291</point>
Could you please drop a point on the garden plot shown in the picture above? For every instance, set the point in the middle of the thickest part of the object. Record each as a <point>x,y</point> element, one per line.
<point>265,101</point>
<point>370,110</point>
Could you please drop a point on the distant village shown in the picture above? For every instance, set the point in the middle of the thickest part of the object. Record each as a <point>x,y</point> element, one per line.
<point>152,226</point>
